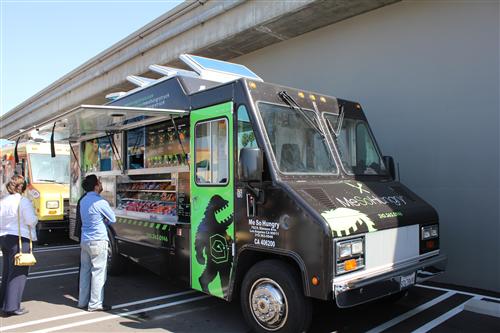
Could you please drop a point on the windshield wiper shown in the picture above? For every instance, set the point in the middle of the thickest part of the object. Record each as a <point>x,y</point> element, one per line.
<point>295,106</point>
<point>340,121</point>
<point>49,181</point>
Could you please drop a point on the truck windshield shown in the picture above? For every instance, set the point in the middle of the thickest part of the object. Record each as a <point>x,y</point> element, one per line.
<point>357,149</point>
<point>297,146</point>
<point>45,169</point>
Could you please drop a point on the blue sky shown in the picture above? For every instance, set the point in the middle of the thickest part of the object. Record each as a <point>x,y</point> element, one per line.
<point>41,41</point>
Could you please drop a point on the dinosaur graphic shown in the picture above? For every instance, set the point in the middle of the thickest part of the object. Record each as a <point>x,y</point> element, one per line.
<point>345,221</point>
<point>213,242</point>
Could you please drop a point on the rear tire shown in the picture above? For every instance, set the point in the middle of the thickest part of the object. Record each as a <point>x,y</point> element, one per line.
<point>272,299</point>
<point>116,262</point>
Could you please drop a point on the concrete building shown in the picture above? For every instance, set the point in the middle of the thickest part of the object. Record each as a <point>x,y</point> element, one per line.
<point>426,72</point>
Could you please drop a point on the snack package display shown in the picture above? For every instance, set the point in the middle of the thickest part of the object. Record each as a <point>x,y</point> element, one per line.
<point>157,198</point>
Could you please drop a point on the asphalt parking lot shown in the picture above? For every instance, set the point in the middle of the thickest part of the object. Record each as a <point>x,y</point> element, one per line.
<point>142,300</point>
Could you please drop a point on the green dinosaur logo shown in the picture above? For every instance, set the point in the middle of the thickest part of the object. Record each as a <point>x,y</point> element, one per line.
<point>345,221</point>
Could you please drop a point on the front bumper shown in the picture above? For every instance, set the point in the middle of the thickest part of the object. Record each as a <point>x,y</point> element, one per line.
<point>52,225</point>
<point>367,288</point>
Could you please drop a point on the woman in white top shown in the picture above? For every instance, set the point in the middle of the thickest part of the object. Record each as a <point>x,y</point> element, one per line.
<point>14,206</point>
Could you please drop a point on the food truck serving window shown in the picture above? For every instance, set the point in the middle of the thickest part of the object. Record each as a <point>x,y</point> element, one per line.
<point>135,148</point>
<point>297,146</point>
<point>98,154</point>
<point>211,152</point>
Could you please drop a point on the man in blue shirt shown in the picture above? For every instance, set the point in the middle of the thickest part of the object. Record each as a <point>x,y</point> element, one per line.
<point>95,213</point>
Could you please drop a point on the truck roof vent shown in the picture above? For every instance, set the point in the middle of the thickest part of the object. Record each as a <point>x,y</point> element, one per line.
<point>401,191</point>
<point>321,196</point>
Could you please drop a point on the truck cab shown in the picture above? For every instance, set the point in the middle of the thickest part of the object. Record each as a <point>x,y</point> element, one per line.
<point>47,181</point>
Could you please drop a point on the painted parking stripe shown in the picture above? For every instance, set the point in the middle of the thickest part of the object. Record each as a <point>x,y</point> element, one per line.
<point>457,291</point>
<point>411,313</point>
<point>123,314</point>
<point>30,276</point>
<point>51,275</point>
<point>444,317</point>
<point>54,270</point>
<point>61,248</point>
<point>83,313</point>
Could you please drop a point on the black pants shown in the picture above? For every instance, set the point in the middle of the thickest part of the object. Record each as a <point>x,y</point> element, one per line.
<point>13,277</point>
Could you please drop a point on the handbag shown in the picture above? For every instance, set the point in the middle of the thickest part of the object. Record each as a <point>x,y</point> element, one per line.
<point>23,259</point>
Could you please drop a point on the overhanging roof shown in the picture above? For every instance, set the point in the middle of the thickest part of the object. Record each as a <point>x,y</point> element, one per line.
<point>215,29</point>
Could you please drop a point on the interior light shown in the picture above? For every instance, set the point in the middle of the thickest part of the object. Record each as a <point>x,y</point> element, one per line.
<point>301,94</point>
<point>322,99</point>
<point>312,97</point>
<point>252,85</point>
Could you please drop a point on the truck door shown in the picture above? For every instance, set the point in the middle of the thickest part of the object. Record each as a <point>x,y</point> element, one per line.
<point>212,198</point>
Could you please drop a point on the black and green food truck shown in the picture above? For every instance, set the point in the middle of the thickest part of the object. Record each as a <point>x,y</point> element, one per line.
<point>251,190</point>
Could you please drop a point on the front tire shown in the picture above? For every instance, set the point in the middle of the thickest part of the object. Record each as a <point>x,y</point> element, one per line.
<point>272,299</point>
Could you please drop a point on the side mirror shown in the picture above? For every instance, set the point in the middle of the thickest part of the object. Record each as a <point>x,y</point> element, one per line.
<point>251,165</point>
<point>389,164</point>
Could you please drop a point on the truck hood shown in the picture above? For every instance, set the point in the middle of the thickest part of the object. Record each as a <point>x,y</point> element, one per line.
<point>52,188</point>
<point>351,207</point>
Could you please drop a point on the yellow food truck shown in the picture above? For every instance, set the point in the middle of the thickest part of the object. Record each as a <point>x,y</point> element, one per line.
<point>48,181</point>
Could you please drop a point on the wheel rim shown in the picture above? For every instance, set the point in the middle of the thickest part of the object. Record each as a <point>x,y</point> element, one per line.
<point>268,304</point>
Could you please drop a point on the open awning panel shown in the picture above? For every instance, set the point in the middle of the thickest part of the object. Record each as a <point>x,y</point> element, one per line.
<point>94,119</point>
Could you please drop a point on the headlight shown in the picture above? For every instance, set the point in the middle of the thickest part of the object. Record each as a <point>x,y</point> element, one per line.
<point>350,255</point>
<point>52,204</point>
<point>429,232</point>
<point>344,250</point>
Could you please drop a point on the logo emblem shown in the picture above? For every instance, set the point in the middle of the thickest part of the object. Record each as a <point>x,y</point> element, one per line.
<point>358,186</point>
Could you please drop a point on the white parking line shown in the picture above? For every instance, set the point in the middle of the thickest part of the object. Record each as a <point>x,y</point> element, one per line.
<point>83,313</point>
<point>57,248</point>
<point>53,270</point>
<point>30,277</point>
<point>411,313</point>
<point>441,319</point>
<point>458,292</point>
<point>51,275</point>
<point>119,315</point>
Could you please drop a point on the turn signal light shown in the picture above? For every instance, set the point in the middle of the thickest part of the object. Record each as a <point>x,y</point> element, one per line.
<point>350,265</point>
<point>315,281</point>
<point>430,244</point>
